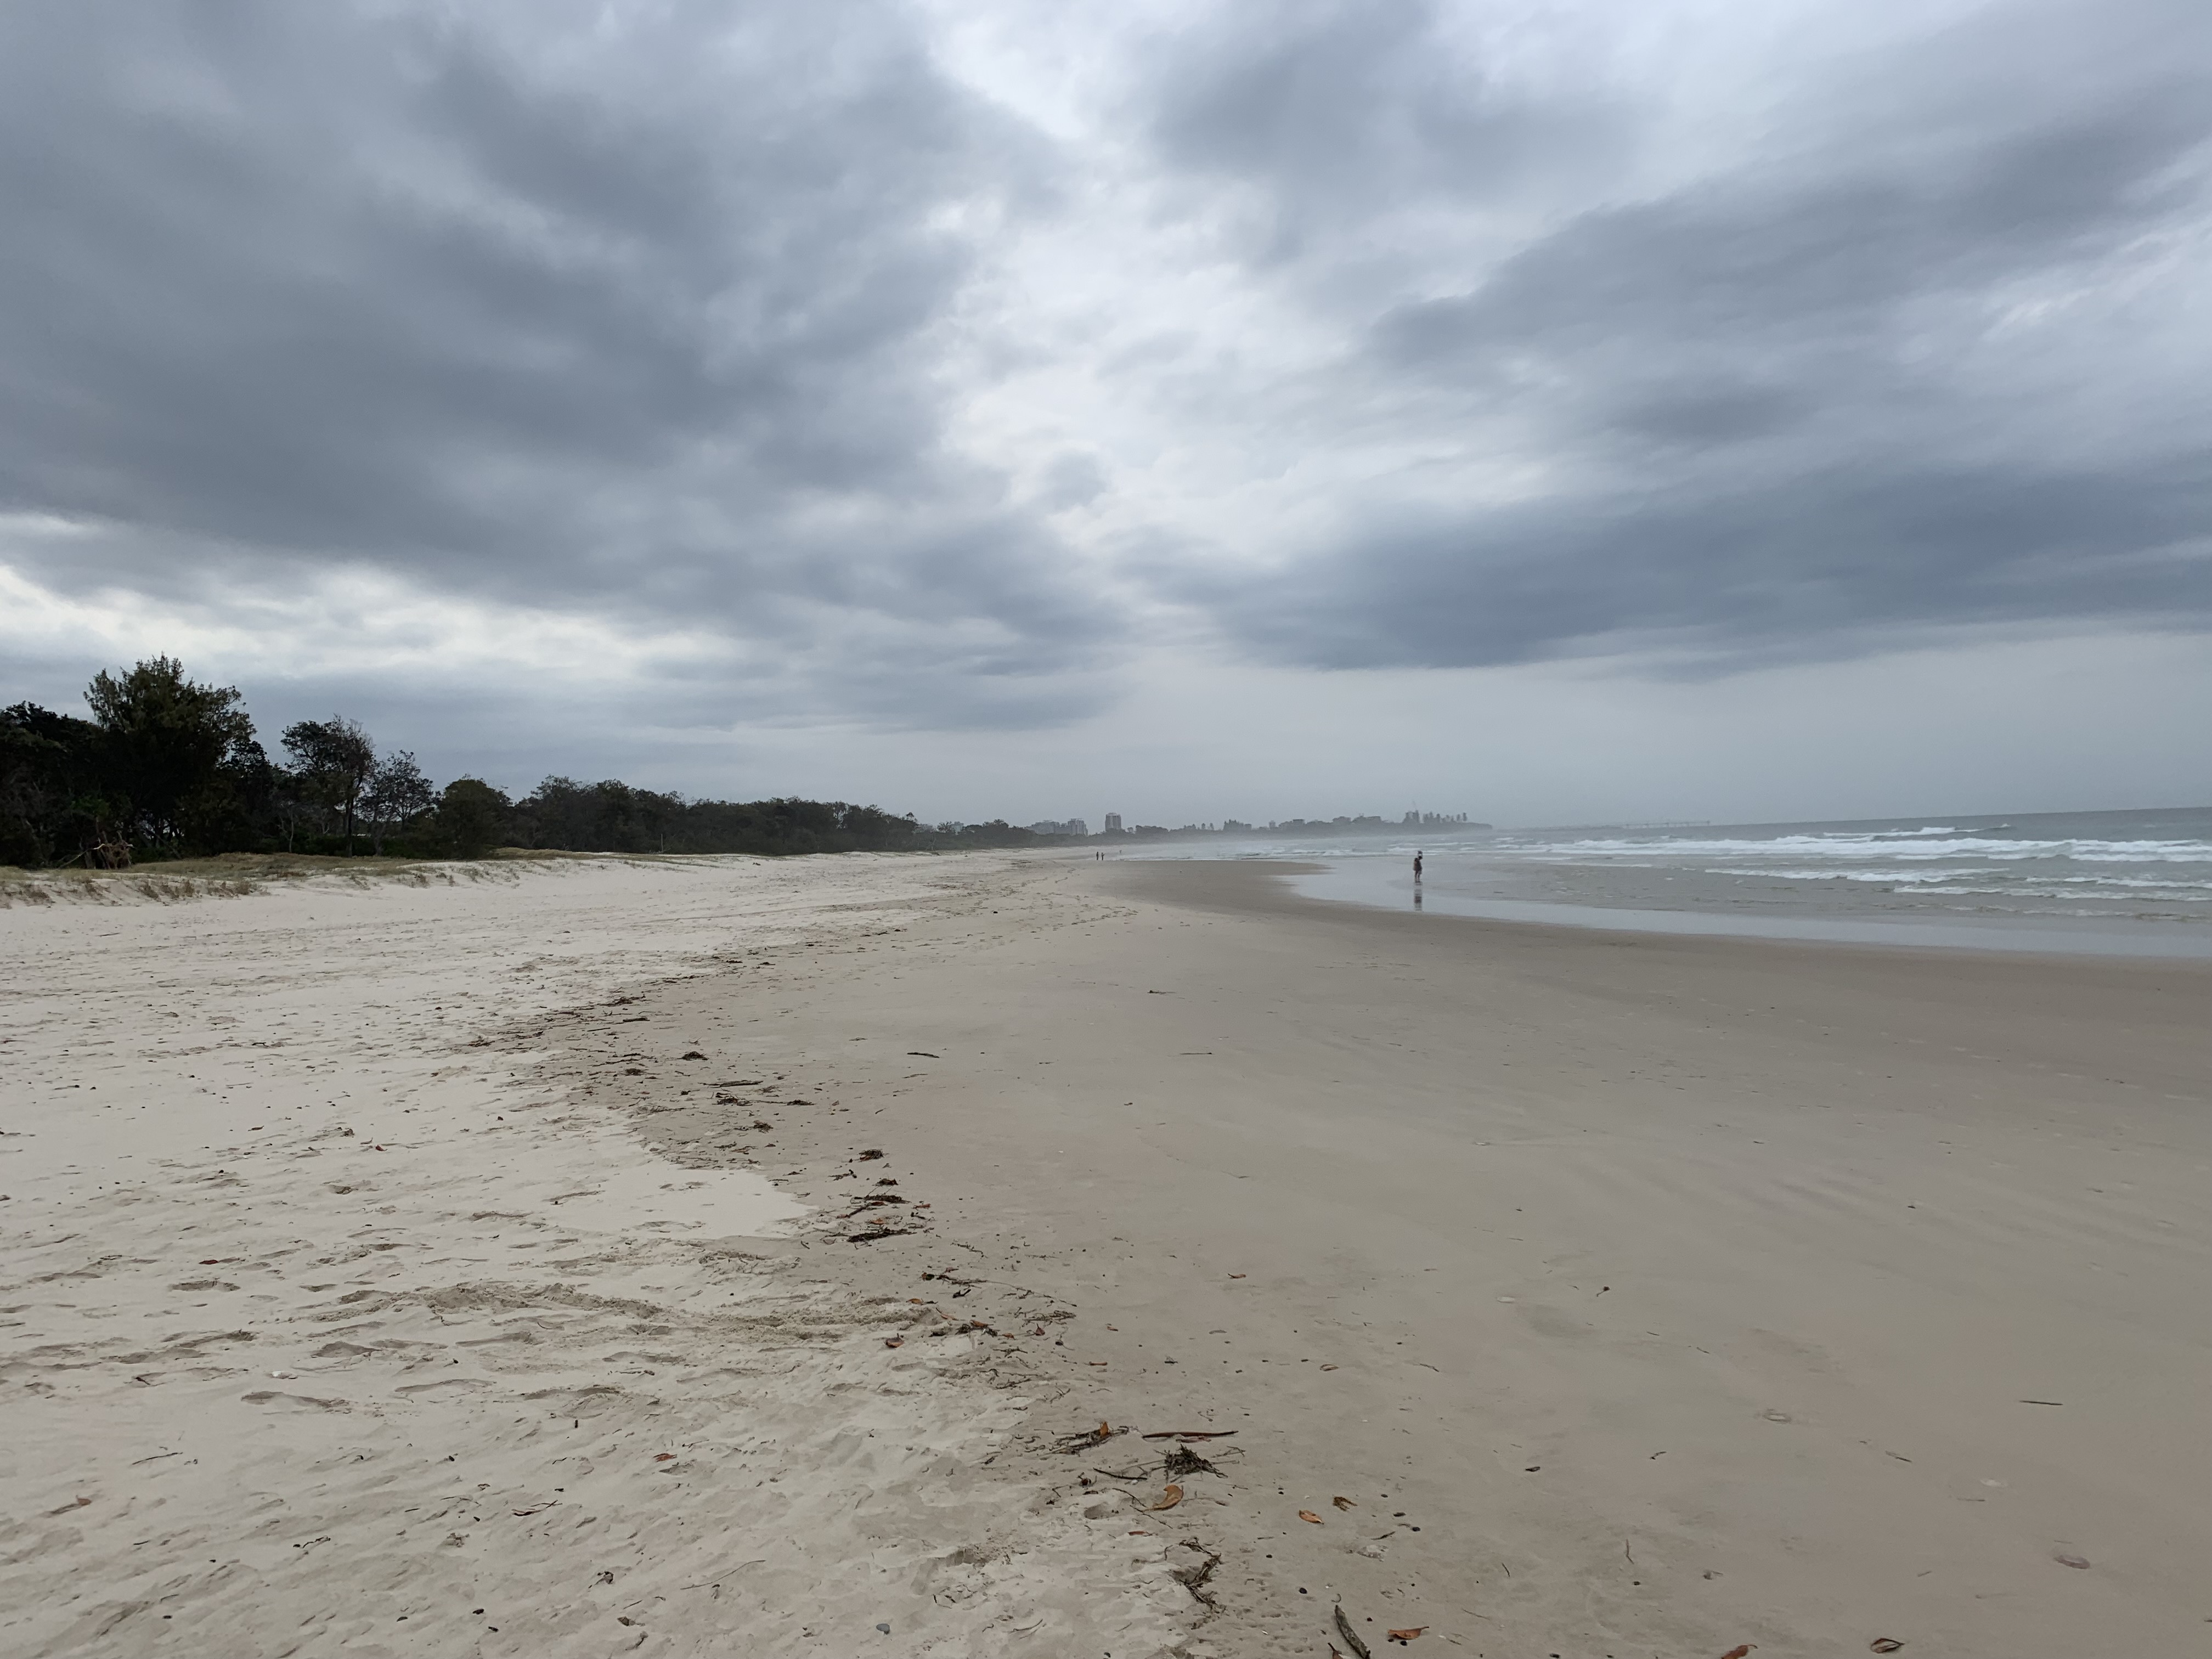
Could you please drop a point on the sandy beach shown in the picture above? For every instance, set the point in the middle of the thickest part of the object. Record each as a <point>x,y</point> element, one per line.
<point>726,1256</point>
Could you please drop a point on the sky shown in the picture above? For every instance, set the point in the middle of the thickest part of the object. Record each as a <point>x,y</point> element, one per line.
<point>1576,411</point>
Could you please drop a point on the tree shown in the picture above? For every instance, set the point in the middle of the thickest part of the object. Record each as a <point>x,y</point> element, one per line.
<point>164,743</point>
<point>397,791</point>
<point>50,767</point>
<point>335,759</point>
<point>473,818</point>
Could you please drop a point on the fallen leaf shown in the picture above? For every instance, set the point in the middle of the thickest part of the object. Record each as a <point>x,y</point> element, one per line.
<point>1344,1502</point>
<point>2066,1560</point>
<point>1240,1275</point>
<point>1406,1635</point>
<point>1738,1652</point>
<point>1169,1498</point>
<point>894,1342</point>
<point>663,1457</point>
<point>1884,1644</point>
<point>1329,1367</point>
<point>1308,1515</point>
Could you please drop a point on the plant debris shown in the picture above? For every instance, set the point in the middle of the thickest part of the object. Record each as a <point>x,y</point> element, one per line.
<point>1090,1437</point>
<point>1183,1460</point>
<point>872,1152</point>
<point>894,1342</point>
<point>875,1233</point>
<point>1402,1637</point>
<point>1351,1636</point>
<point>1739,1650</point>
<point>1169,1498</point>
<point>1344,1502</point>
<point>1308,1515</point>
<point>1193,1578</point>
<point>1884,1644</point>
<point>1188,1434</point>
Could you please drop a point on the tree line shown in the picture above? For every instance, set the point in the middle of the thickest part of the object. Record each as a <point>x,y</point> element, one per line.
<point>168,767</point>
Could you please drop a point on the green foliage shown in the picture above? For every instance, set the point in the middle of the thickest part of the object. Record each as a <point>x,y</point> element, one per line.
<point>49,770</point>
<point>472,819</point>
<point>167,768</point>
<point>614,818</point>
<point>334,761</point>
<point>175,757</point>
<point>397,793</point>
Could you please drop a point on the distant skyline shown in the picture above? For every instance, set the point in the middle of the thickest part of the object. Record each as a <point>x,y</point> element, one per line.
<point>1571,412</point>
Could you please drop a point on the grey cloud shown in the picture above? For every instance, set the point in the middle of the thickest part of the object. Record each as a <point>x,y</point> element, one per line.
<point>294,288</point>
<point>1338,113</point>
<point>1795,564</point>
<point>1785,404</point>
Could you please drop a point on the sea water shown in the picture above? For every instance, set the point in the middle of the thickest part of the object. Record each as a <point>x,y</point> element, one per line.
<point>2131,882</point>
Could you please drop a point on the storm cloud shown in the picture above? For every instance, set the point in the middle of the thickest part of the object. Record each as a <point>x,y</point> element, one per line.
<point>1868,377</point>
<point>887,367</point>
<point>523,305</point>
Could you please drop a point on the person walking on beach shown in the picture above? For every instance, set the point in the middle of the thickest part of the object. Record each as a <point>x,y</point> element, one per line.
<point>1417,869</point>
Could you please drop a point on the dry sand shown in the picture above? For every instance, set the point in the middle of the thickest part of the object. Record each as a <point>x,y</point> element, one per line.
<point>333,1322</point>
<point>1639,1296</point>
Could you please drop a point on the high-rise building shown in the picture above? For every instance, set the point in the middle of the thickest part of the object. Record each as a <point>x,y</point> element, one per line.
<point>1113,823</point>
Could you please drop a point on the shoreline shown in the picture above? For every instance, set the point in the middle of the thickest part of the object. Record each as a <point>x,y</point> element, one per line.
<point>1636,1292</point>
<point>1728,910</point>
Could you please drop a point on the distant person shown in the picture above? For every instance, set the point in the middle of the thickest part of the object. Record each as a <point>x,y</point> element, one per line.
<point>1417,867</point>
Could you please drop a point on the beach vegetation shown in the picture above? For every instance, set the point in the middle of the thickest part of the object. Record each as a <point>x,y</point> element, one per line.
<point>170,768</point>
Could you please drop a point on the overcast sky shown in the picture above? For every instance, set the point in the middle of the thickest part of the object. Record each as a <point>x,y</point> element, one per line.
<point>1575,409</point>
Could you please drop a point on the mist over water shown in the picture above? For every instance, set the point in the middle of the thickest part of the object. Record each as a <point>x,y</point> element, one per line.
<point>2133,882</point>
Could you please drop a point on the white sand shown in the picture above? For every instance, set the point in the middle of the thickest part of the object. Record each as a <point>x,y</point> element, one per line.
<point>330,1325</point>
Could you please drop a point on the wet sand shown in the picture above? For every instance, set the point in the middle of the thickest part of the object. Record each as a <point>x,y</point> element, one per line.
<point>1642,1295</point>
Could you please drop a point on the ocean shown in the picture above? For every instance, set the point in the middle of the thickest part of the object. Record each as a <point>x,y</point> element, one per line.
<point>2130,882</point>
